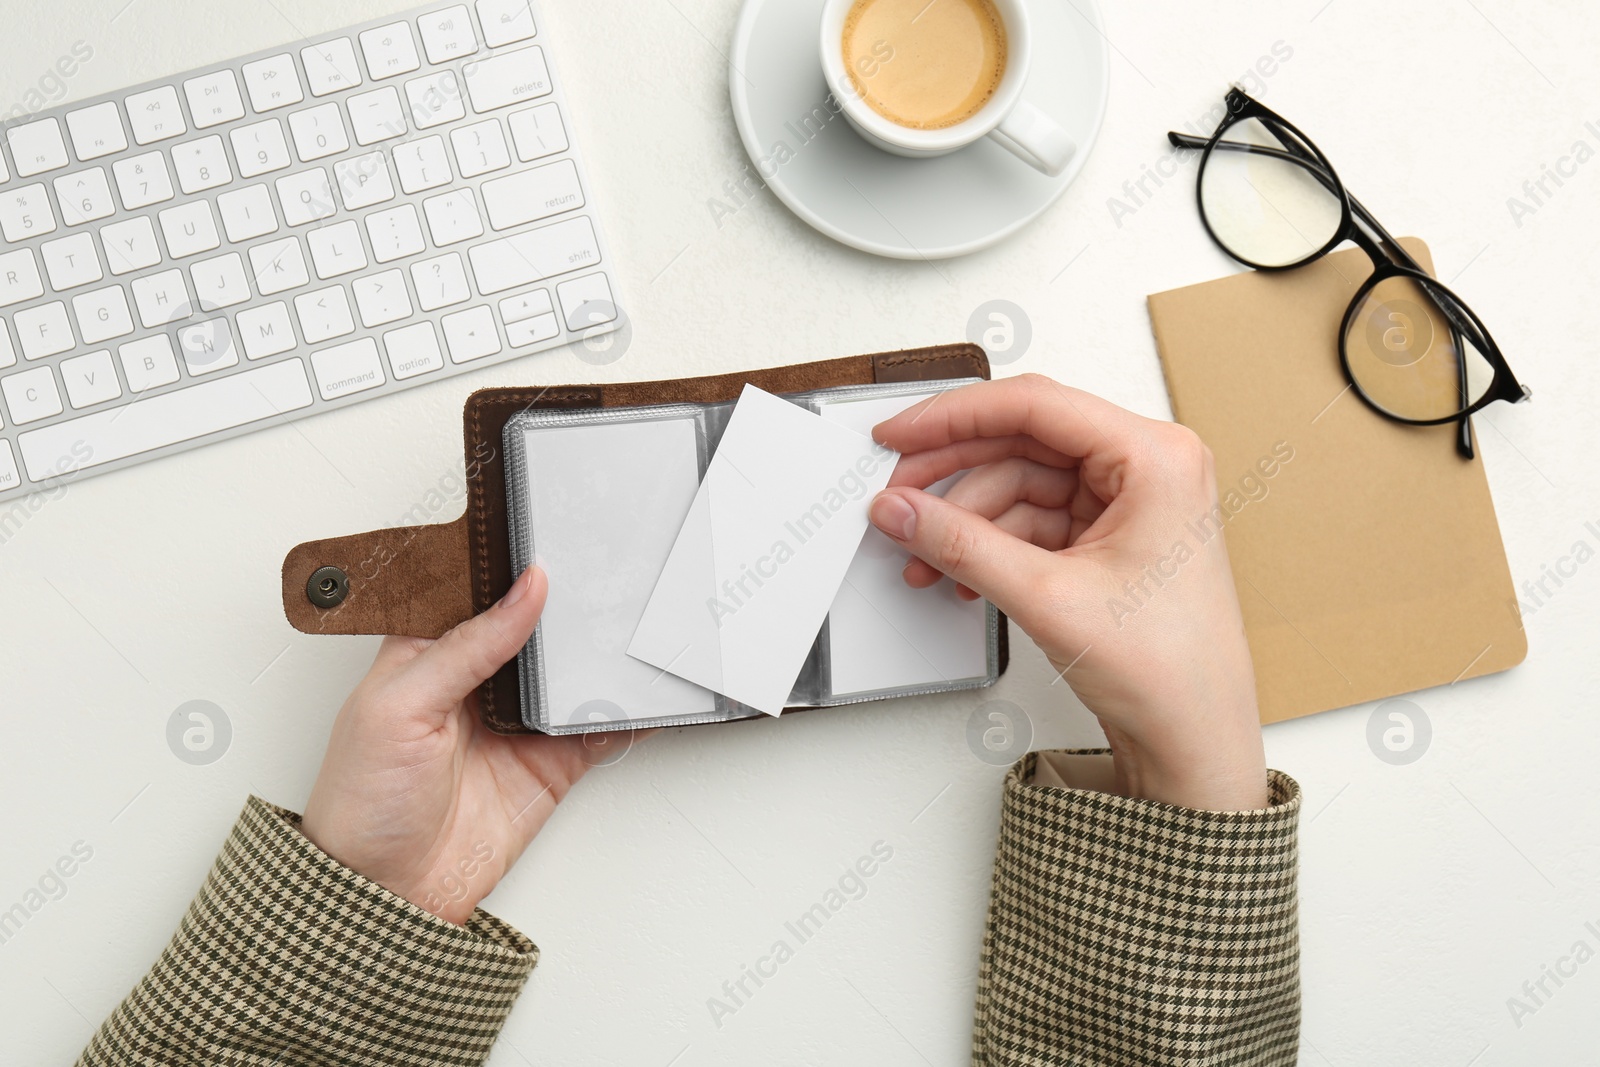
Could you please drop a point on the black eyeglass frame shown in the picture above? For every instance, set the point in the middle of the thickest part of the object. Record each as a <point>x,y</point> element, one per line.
<point>1389,260</point>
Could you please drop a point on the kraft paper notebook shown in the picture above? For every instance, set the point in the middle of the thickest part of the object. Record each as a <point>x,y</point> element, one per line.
<point>1366,553</point>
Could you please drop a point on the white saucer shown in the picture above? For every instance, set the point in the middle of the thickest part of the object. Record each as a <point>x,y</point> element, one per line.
<point>881,203</point>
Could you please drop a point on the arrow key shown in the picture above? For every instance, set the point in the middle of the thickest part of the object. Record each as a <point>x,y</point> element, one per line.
<point>471,334</point>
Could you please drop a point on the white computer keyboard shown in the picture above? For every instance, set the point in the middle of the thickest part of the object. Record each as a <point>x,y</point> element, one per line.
<point>287,233</point>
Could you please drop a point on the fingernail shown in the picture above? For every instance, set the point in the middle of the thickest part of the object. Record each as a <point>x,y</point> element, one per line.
<point>518,590</point>
<point>891,514</point>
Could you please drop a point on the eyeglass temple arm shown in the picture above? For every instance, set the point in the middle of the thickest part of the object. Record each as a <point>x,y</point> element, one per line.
<point>1385,238</point>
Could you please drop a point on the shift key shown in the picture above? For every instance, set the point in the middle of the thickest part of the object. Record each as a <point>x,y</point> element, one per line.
<point>534,255</point>
<point>532,194</point>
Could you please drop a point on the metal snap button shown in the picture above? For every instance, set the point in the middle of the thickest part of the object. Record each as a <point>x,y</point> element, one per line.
<point>328,587</point>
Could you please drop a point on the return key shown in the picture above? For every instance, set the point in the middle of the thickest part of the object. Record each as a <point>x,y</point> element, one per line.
<point>532,194</point>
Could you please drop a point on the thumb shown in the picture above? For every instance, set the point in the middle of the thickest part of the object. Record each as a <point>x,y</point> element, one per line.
<point>449,670</point>
<point>966,546</point>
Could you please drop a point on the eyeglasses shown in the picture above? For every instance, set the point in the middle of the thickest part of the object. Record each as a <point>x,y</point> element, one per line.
<point>1412,350</point>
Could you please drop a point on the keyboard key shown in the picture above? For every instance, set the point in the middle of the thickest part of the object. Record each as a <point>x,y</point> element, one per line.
<point>260,148</point>
<point>8,354</point>
<point>435,99</point>
<point>413,350</point>
<point>534,256</point>
<point>318,131</point>
<point>381,298</point>
<point>102,315</point>
<point>19,277</point>
<point>511,78</point>
<point>470,334</point>
<point>207,346</point>
<point>90,379</point>
<point>220,282</point>
<point>71,262</point>
<point>9,478</point>
<point>538,131</point>
<point>453,217</point>
<point>532,194</point>
<point>214,98</point>
<point>247,213</point>
<point>505,21</point>
<point>447,34</point>
<point>189,229</point>
<point>306,197</point>
<point>156,115</point>
<point>348,368</point>
<point>168,419</point>
<point>96,131</point>
<point>377,116</point>
<point>440,282</point>
<point>26,213</point>
<point>525,306</point>
<point>43,330</point>
<point>586,302</point>
<point>266,331</point>
<point>37,147</point>
<point>84,197</point>
<point>201,164</point>
<point>130,245</point>
<point>278,266</point>
<point>331,66</point>
<point>532,331</point>
<point>363,181</point>
<point>390,51</point>
<point>480,148</point>
<point>31,395</point>
<point>422,164</point>
<point>161,298</point>
<point>324,314</point>
<point>143,180</point>
<point>272,83</point>
<point>148,363</point>
<point>337,249</point>
<point>395,233</point>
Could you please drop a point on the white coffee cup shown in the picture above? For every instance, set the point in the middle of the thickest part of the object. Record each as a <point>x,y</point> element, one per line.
<point>1020,127</point>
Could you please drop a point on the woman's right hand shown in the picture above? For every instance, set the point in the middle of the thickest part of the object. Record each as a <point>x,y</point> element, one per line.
<point>1093,529</point>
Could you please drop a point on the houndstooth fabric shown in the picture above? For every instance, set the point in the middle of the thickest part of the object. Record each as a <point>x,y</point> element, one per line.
<point>287,958</point>
<point>1120,932</point>
<point>1127,932</point>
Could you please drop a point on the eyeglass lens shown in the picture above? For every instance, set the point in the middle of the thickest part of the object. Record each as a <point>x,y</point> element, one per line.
<point>1265,209</point>
<point>1403,357</point>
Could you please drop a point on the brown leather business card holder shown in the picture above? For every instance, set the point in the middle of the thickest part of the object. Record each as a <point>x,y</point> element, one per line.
<point>423,580</point>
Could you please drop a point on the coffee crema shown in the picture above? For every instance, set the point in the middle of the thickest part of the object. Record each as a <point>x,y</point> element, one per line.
<point>925,64</point>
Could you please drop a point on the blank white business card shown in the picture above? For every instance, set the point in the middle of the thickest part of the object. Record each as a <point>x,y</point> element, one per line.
<point>762,552</point>
<point>604,501</point>
<point>883,634</point>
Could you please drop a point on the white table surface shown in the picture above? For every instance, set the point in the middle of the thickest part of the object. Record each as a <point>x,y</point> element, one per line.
<point>1430,892</point>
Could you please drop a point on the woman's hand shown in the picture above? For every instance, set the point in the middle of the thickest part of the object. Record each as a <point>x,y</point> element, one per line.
<point>1093,529</point>
<point>414,792</point>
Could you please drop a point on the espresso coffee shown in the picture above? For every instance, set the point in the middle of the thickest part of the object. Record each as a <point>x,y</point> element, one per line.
<point>925,64</point>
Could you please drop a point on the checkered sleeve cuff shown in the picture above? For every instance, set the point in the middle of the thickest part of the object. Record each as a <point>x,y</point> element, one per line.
<point>286,957</point>
<point>1126,931</point>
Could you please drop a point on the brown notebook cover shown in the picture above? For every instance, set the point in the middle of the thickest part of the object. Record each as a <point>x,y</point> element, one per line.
<point>423,580</point>
<point>1366,553</point>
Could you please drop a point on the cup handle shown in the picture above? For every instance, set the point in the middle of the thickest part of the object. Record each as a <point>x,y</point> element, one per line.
<point>1033,137</point>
